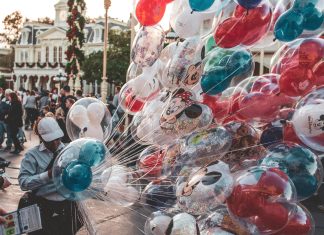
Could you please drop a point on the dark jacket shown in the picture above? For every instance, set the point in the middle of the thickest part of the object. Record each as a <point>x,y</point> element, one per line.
<point>4,109</point>
<point>15,115</point>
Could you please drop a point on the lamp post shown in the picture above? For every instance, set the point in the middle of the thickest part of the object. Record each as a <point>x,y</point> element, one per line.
<point>60,78</point>
<point>104,84</point>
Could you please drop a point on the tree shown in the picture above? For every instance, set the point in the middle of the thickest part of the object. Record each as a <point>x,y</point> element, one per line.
<point>46,20</point>
<point>117,59</point>
<point>12,26</point>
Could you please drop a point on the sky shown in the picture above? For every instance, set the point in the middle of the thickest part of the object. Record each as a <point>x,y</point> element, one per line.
<point>33,9</point>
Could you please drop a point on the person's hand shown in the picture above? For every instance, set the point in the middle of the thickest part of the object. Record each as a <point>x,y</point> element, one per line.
<point>2,212</point>
<point>6,183</point>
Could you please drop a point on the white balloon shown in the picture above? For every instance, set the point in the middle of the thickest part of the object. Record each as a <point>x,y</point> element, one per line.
<point>187,24</point>
<point>96,112</point>
<point>79,116</point>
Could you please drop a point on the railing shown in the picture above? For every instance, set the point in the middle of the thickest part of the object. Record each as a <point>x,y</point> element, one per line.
<point>40,65</point>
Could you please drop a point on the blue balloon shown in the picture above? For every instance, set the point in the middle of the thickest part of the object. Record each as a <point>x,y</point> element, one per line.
<point>241,62</point>
<point>201,5</point>
<point>77,176</point>
<point>313,18</point>
<point>249,4</point>
<point>300,164</point>
<point>289,26</point>
<point>215,81</point>
<point>271,135</point>
<point>92,153</point>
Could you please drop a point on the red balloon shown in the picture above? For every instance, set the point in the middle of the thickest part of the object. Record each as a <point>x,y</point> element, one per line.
<point>229,33</point>
<point>273,182</point>
<point>152,164</point>
<point>300,223</point>
<point>310,52</point>
<point>220,108</point>
<point>244,201</point>
<point>150,12</point>
<point>319,73</point>
<point>167,1</point>
<point>297,81</point>
<point>289,135</point>
<point>271,217</point>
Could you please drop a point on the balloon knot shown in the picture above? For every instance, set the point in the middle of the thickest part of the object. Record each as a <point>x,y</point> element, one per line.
<point>275,39</point>
<point>192,11</point>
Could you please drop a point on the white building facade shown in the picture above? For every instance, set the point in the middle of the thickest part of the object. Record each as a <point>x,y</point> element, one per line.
<point>40,50</point>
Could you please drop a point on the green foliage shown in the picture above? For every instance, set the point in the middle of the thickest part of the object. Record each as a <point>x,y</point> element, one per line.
<point>7,61</point>
<point>2,82</point>
<point>117,59</point>
<point>12,26</point>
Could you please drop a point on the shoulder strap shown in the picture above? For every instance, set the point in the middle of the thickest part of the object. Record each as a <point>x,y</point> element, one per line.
<point>50,165</point>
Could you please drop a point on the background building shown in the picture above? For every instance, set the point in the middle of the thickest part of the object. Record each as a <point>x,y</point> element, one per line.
<point>40,50</point>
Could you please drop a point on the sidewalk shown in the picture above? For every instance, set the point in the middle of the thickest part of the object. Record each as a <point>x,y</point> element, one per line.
<point>107,218</point>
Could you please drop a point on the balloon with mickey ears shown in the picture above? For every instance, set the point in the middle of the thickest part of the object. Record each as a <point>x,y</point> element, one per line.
<point>88,117</point>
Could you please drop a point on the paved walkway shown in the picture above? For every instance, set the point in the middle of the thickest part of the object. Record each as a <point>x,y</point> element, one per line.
<point>106,218</point>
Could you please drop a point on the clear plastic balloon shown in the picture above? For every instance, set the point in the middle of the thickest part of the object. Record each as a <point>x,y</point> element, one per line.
<point>159,194</point>
<point>183,224</point>
<point>308,119</point>
<point>304,19</point>
<point>222,66</point>
<point>73,168</point>
<point>244,27</point>
<point>263,200</point>
<point>302,166</point>
<point>88,117</point>
<point>245,150</point>
<point>121,185</point>
<point>157,223</point>
<point>302,223</point>
<point>183,114</point>
<point>133,71</point>
<point>146,128</point>
<point>135,93</point>
<point>205,189</point>
<point>150,162</point>
<point>147,46</point>
<point>184,69</point>
<point>219,222</point>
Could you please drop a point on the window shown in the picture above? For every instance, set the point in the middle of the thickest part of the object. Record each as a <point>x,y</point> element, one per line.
<point>55,54</point>
<point>26,56</point>
<point>47,54</point>
<point>21,56</point>
<point>37,34</point>
<point>97,35</point>
<point>60,54</point>
<point>39,56</point>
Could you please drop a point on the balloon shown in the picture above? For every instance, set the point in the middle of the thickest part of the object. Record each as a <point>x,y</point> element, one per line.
<point>150,12</point>
<point>289,26</point>
<point>308,119</point>
<point>262,200</point>
<point>200,5</point>
<point>89,117</point>
<point>215,81</point>
<point>183,224</point>
<point>297,81</point>
<point>319,73</point>
<point>92,153</point>
<point>210,44</point>
<point>249,4</point>
<point>186,28</point>
<point>147,46</point>
<point>159,194</point>
<point>157,223</point>
<point>301,223</point>
<point>77,176</point>
<point>300,164</point>
<point>313,18</point>
<point>205,189</point>
<point>243,28</point>
<point>240,62</point>
<point>133,71</point>
<point>150,161</point>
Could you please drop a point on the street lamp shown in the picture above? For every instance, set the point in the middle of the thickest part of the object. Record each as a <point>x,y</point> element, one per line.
<point>104,84</point>
<point>60,78</point>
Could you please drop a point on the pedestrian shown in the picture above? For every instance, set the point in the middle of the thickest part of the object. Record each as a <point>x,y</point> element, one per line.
<point>68,104</point>
<point>31,110</point>
<point>14,121</point>
<point>79,94</point>
<point>2,95</point>
<point>44,101</point>
<point>4,109</point>
<point>66,95</point>
<point>59,216</point>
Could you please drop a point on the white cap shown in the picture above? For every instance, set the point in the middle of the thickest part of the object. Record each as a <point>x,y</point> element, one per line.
<point>8,91</point>
<point>49,130</point>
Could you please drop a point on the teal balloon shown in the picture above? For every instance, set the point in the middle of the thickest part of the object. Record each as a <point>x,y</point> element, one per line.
<point>289,26</point>
<point>301,4</point>
<point>241,62</point>
<point>210,44</point>
<point>313,18</point>
<point>92,153</point>
<point>224,60</point>
<point>215,81</point>
<point>77,176</point>
<point>201,5</point>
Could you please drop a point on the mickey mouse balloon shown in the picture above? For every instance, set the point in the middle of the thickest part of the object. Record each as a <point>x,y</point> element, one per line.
<point>88,117</point>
